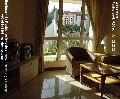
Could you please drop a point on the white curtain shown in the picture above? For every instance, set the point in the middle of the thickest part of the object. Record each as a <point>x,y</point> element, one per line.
<point>100,16</point>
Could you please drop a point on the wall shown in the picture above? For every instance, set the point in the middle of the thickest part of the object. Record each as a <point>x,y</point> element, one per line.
<point>22,20</point>
<point>29,27</point>
<point>116,32</point>
<point>16,19</point>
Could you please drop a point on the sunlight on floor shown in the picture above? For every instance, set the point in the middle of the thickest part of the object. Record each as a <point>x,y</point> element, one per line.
<point>99,94</point>
<point>72,81</point>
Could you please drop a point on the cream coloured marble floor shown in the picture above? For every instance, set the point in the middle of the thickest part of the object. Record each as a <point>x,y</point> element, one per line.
<point>55,85</point>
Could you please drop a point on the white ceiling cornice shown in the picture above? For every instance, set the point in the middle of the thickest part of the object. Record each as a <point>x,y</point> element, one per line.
<point>69,1</point>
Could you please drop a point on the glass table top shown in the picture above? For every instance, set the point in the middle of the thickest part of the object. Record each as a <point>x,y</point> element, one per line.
<point>101,68</point>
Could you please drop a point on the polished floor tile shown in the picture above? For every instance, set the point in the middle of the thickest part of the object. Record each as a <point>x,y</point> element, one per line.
<point>55,85</point>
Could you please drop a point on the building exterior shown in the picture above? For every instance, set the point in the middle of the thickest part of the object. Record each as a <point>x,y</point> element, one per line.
<point>71,18</point>
<point>75,18</point>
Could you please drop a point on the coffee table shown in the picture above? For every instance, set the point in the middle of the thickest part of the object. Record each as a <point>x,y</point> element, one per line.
<point>98,74</point>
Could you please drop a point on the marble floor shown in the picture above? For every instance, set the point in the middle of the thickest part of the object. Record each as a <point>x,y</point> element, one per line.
<point>55,85</point>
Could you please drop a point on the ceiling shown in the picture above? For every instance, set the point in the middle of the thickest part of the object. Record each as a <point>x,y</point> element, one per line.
<point>69,1</point>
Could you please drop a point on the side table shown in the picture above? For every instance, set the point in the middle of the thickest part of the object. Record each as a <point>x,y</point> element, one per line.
<point>99,55</point>
<point>97,75</point>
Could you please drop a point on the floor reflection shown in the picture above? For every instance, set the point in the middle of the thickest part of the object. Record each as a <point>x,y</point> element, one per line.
<point>55,85</point>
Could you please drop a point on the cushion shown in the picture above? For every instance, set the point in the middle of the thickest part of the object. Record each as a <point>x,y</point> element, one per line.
<point>79,53</point>
<point>114,59</point>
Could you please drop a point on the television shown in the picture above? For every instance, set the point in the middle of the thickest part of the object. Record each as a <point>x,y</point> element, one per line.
<point>26,51</point>
<point>12,53</point>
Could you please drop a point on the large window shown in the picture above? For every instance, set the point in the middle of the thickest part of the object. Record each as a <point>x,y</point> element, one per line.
<point>64,30</point>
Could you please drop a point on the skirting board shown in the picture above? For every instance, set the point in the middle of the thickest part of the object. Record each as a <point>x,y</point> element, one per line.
<point>55,68</point>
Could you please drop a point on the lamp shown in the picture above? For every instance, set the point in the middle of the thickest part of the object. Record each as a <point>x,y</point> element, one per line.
<point>102,42</point>
<point>101,47</point>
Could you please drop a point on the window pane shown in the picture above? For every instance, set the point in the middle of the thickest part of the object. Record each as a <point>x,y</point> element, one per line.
<point>52,20</point>
<point>69,43</point>
<point>70,30</point>
<point>85,44</point>
<point>71,20</point>
<point>50,47</point>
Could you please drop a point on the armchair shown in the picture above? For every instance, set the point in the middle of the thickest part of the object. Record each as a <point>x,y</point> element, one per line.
<point>76,56</point>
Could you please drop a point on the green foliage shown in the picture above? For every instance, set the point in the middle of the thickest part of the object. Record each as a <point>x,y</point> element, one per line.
<point>50,16</point>
<point>68,31</point>
<point>69,43</point>
<point>52,48</point>
<point>65,44</point>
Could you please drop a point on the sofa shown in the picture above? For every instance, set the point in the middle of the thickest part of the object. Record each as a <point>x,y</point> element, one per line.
<point>114,61</point>
<point>76,56</point>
